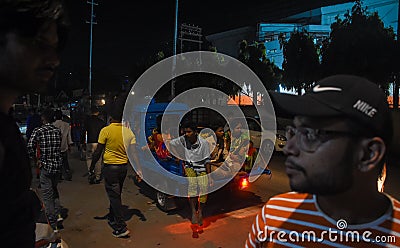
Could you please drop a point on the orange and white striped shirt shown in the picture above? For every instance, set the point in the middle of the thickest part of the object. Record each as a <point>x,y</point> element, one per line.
<point>295,220</point>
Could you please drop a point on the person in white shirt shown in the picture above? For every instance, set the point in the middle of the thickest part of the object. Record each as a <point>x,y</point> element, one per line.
<point>197,168</point>
<point>66,142</point>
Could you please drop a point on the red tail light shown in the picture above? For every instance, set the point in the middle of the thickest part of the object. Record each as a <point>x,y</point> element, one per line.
<point>243,183</point>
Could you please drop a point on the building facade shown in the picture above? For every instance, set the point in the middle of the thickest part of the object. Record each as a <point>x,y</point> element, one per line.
<point>317,23</point>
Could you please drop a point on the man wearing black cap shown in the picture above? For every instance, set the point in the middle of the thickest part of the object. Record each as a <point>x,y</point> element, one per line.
<point>31,33</point>
<point>335,151</point>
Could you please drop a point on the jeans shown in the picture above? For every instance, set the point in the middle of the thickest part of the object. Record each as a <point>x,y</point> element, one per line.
<point>48,184</point>
<point>90,148</point>
<point>114,177</point>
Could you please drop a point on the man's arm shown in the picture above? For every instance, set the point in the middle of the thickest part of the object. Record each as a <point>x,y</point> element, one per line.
<point>207,163</point>
<point>96,155</point>
<point>208,168</point>
<point>208,171</point>
<point>132,149</point>
<point>32,148</point>
<point>32,142</point>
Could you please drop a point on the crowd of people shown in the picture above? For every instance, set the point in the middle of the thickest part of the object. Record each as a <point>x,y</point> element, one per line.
<point>202,151</point>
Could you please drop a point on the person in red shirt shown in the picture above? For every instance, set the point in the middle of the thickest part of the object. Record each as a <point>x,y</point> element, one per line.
<point>250,157</point>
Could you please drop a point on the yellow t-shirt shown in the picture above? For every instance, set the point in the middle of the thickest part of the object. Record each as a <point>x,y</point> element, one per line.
<point>113,137</point>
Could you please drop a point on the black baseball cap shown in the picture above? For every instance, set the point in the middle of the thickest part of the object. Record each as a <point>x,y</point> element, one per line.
<point>349,96</point>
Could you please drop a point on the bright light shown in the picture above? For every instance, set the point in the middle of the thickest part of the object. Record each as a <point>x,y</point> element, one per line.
<point>103,101</point>
<point>244,183</point>
<point>132,93</point>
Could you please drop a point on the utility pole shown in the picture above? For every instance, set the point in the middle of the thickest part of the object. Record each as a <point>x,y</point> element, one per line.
<point>91,22</point>
<point>174,49</point>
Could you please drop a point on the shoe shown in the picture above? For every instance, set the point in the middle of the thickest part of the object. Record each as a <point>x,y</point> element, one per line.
<point>120,233</point>
<point>59,218</point>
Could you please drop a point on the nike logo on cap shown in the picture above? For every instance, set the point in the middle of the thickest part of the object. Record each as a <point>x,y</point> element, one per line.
<point>318,88</point>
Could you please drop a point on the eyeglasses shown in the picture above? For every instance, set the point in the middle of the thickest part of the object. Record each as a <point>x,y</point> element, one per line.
<point>309,139</point>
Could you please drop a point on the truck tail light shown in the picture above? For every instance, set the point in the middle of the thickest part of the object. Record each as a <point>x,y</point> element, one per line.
<point>243,183</point>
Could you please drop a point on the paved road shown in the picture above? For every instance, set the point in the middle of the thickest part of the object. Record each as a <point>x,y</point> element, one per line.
<point>226,225</point>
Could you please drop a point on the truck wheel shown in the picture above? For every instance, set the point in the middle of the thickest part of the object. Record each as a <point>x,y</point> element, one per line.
<point>162,201</point>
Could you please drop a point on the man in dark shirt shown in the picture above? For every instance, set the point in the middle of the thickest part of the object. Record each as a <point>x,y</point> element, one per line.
<point>33,121</point>
<point>31,32</point>
<point>90,135</point>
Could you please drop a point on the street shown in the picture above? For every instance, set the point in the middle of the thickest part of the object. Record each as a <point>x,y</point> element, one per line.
<point>228,217</point>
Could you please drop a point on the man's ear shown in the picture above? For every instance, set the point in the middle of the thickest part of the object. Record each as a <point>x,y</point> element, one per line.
<point>371,154</point>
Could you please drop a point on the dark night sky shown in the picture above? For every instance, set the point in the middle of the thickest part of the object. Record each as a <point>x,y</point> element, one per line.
<point>130,31</point>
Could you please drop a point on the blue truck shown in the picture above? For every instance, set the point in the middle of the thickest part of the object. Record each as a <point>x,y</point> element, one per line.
<point>167,175</point>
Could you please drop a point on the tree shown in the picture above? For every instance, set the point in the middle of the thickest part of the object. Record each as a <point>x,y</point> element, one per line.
<point>254,56</point>
<point>360,45</point>
<point>301,61</point>
<point>187,81</point>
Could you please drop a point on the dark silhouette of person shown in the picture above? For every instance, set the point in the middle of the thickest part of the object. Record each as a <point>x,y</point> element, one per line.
<point>31,35</point>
